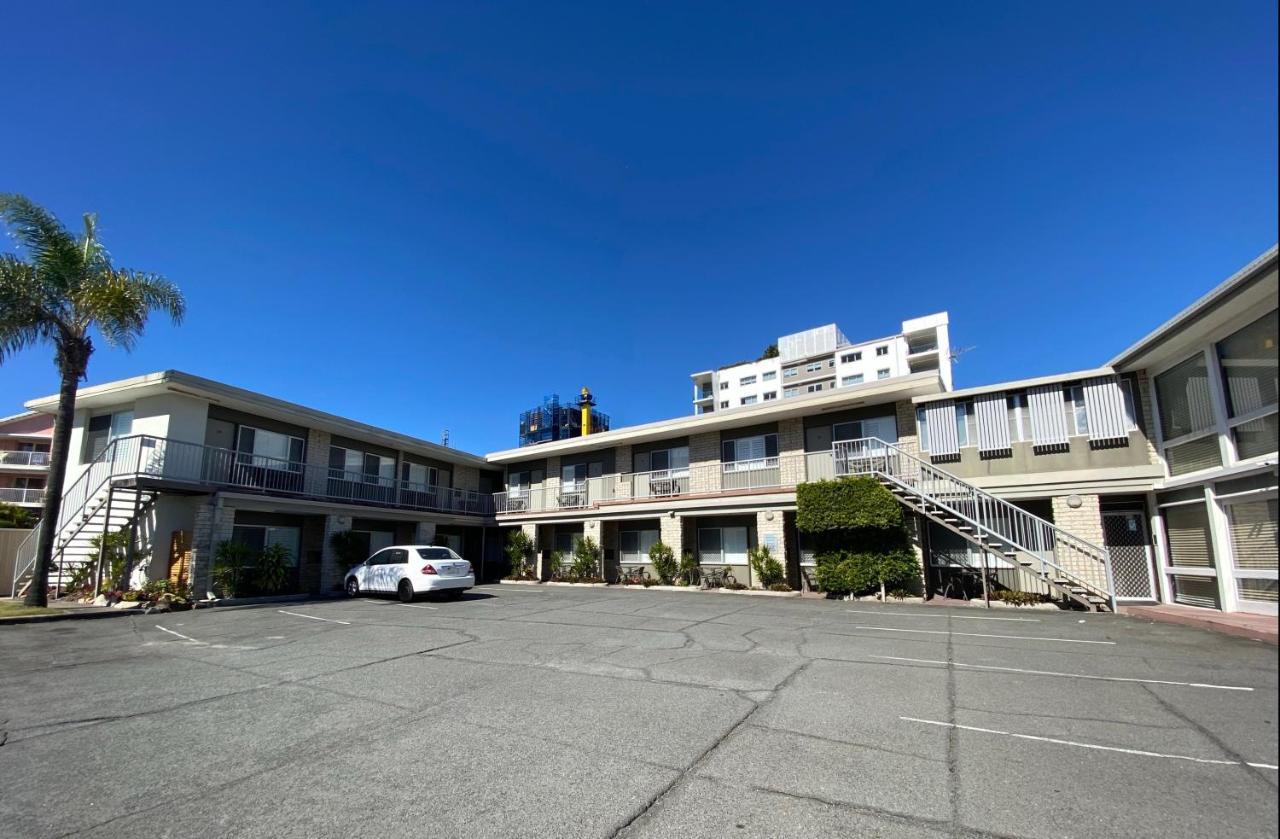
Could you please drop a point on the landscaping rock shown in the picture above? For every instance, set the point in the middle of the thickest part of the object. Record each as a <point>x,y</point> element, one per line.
<point>101,600</point>
<point>127,604</point>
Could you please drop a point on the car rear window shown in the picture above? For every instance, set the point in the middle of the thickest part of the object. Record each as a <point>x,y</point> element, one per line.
<point>434,553</point>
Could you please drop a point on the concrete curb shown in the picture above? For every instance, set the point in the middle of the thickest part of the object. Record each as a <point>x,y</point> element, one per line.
<point>752,592</point>
<point>84,613</point>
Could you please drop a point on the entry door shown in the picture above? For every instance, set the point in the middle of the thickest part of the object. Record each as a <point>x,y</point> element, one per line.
<point>1125,538</point>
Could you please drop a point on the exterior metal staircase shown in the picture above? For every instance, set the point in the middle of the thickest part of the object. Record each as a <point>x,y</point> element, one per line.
<point>99,502</point>
<point>1066,564</point>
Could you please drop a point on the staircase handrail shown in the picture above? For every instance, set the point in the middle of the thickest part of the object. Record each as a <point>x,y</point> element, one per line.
<point>869,449</point>
<point>99,472</point>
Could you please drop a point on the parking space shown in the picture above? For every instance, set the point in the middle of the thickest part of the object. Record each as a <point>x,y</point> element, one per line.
<point>522,711</point>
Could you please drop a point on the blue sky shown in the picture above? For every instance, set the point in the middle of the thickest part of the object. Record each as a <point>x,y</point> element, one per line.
<point>428,215</point>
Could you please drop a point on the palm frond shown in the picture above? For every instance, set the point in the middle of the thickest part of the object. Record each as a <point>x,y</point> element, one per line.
<point>119,300</point>
<point>51,248</point>
<point>25,315</point>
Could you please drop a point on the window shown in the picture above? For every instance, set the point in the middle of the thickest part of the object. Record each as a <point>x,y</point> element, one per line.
<point>634,545</point>
<point>1019,427</point>
<point>882,373</point>
<point>102,429</point>
<point>855,379</point>
<point>661,460</point>
<point>964,411</point>
<point>724,404</point>
<point>813,367</point>
<point>1249,376</point>
<point>771,395</point>
<point>922,429</point>
<point>258,537</point>
<point>748,452</point>
<point>851,357</point>
<point>437,553</point>
<point>831,362</point>
<point>789,392</point>
<point>722,545</point>
<point>768,375</point>
<point>746,380</point>
<point>813,388</point>
<point>791,372</point>
<point>574,476</point>
<point>724,385</point>
<point>1183,396</point>
<point>748,400</point>
<point>361,467</point>
<point>416,473</point>
<point>882,351</point>
<point>1077,411</point>
<point>269,449</point>
<point>883,428</point>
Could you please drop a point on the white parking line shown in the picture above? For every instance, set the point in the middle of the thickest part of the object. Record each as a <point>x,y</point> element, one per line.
<point>419,606</point>
<point>1065,675</point>
<point>1094,746</point>
<point>180,635</point>
<point>957,617</point>
<point>313,617</point>
<point>979,635</point>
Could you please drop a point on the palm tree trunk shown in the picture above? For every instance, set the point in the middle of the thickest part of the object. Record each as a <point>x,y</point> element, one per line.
<point>38,594</point>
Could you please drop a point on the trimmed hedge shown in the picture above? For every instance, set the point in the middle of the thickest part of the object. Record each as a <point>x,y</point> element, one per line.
<point>846,504</point>
<point>850,572</point>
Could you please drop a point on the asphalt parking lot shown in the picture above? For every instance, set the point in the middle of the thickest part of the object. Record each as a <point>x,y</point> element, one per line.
<point>555,712</point>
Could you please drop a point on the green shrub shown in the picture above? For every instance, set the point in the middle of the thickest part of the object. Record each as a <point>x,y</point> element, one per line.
<point>349,548</point>
<point>663,559</point>
<point>232,566</point>
<point>585,566</point>
<point>689,572</point>
<point>768,570</point>
<point>845,504</point>
<point>520,551</point>
<point>555,561</point>
<point>271,571</point>
<point>11,515</point>
<point>1019,598</point>
<point>112,551</point>
<point>848,572</point>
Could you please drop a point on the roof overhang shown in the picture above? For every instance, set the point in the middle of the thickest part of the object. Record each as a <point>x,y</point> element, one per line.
<point>177,382</point>
<point>1251,289</point>
<point>871,393</point>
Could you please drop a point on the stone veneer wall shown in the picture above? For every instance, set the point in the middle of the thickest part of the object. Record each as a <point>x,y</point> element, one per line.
<point>214,523</point>
<point>791,461</point>
<point>1084,522</point>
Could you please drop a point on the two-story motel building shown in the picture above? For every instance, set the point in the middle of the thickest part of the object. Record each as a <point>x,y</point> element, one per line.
<point>1150,478</point>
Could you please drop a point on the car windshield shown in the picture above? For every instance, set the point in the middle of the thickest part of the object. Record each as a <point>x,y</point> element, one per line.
<point>436,553</point>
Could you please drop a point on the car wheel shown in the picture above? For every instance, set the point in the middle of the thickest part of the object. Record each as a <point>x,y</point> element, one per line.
<point>405,591</point>
<point>353,587</point>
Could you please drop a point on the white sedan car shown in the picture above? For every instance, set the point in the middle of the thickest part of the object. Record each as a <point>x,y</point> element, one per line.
<point>411,570</point>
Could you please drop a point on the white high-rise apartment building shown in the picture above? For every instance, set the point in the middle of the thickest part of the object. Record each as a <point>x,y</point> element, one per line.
<point>823,359</point>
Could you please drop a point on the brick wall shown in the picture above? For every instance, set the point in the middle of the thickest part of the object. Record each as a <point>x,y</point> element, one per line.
<point>671,532</point>
<point>622,464</point>
<point>330,571</point>
<point>769,527</point>
<point>214,523</point>
<point>317,457</point>
<point>704,462</point>
<point>791,461</point>
<point>466,477</point>
<point>908,438</point>
<point>1084,522</point>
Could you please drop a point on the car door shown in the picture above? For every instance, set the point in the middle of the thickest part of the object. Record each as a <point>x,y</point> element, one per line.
<point>392,569</point>
<point>368,573</point>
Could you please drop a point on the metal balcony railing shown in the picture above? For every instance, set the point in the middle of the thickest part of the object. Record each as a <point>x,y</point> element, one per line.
<point>14,458</point>
<point>18,495</point>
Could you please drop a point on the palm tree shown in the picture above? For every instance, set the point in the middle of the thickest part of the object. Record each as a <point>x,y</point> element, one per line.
<point>65,287</point>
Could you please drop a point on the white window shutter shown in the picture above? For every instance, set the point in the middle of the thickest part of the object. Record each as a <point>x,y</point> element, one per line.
<point>992,411</point>
<point>1104,400</point>
<point>1048,419</point>
<point>941,417</point>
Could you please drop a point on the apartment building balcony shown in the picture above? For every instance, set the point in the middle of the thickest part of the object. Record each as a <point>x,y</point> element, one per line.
<point>695,481</point>
<point>22,497</point>
<point>35,460</point>
<point>166,464</point>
